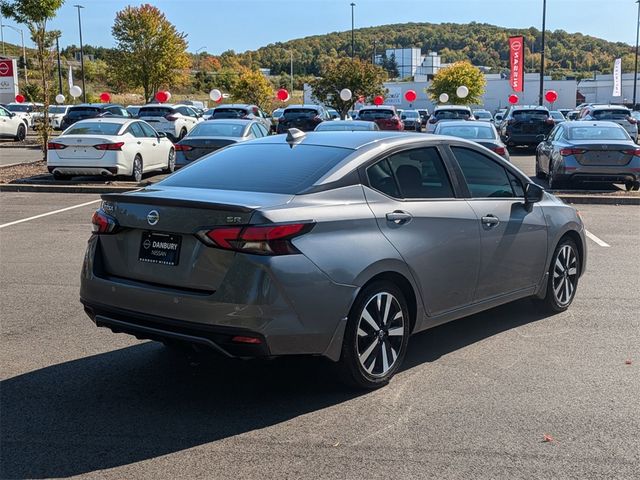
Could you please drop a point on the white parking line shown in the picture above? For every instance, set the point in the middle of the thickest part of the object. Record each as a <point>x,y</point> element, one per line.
<point>602,243</point>
<point>48,213</point>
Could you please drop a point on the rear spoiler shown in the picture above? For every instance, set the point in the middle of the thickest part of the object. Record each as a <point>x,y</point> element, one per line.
<point>172,202</point>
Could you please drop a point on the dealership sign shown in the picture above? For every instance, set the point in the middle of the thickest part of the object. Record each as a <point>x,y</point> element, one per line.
<point>8,80</point>
<point>516,57</point>
<point>394,96</point>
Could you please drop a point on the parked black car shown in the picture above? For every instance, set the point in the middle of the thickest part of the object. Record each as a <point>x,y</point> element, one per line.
<point>424,116</point>
<point>92,110</point>
<point>526,126</point>
<point>302,117</point>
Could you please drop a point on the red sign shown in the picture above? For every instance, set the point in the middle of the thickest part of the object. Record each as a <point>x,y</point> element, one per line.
<point>516,56</point>
<point>6,68</point>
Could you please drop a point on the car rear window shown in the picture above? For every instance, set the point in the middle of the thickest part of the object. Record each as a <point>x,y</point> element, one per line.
<point>53,109</point>
<point>452,114</point>
<point>229,113</point>
<point>482,115</point>
<point>377,114</point>
<point>525,115</point>
<point>217,129</point>
<point>94,128</point>
<point>411,114</point>
<point>154,111</point>
<point>597,133</point>
<point>612,114</point>
<point>20,108</point>
<point>300,112</point>
<point>474,132</point>
<point>272,168</point>
<point>83,112</point>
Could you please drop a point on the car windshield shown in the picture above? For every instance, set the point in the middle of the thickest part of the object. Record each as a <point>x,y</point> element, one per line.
<point>19,108</point>
<point>452,114</point>
<point>611,114</point>
<point>226,112</point>
<point>375,114</point>
<point>217,129</point>
<point>482,114</point>
<point>94,128</point>
<point>273,168</point>
<point>83,112</point>
<point>300,113</point>
<point>343,127</point>
<point>57,109</point>
<point>526,115</point>
<point>597,133</point>
<point>410,114</point>
<point>154,111</point>
<point>474,132</point>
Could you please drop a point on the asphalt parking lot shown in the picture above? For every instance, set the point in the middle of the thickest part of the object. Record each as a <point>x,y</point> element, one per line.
<point>475,399</point>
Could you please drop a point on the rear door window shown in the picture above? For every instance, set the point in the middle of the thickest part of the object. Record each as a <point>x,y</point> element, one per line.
<point>148,130</point>
<point>136,130</point>
<point>485,178</point>
<point>611,114</point>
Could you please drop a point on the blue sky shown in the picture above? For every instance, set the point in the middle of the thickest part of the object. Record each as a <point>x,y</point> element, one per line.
<point>241,25</point>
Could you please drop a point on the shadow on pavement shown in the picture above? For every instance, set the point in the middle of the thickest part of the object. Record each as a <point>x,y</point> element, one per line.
<point>142,402</point>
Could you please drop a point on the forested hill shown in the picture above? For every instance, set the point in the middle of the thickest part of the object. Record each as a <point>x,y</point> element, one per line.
<point>482,44</point>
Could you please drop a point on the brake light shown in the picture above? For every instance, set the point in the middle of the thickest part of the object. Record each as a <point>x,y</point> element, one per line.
<point>261,240</point>
<point>183,148</point>
<point>500,150</point>
<point>317,119</point>
<point>55,146</point>
<point>550,121</point>
<point>433,120</point>
<point>571,151</point>
<point>103,223</point>
<point>632,120</point>
<point>109,146</point>
<point>635,152</point>
<point>171,118</point>
<point>245,339</point>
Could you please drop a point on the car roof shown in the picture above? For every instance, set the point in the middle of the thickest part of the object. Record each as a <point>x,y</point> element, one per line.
<point>374,107</point>
<point>350,140</point>
<point>608,107</point>
<point>97,105</point>
<point>529,107</point>
<point>236,105</point>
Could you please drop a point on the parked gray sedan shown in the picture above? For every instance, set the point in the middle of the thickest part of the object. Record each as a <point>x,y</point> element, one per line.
<point>483,133</point>
<point>336,244</point>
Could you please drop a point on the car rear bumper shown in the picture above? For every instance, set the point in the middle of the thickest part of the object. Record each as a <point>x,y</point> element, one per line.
<point>572,170</point>
<point>512,139</point>
<point>89,171</point>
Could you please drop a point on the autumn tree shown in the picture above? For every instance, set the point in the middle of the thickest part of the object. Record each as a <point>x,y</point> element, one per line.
<point>448,79</point>
<point>252,87</point>
<point>35,14</point>
<point>150,52</point>
<point>362,78</point>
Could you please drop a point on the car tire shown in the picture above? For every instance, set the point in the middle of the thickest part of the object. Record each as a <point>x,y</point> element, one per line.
<point>377,333</point>
<point>136,169</point>
<point>21,133</point>
<point>631,186</point>
<point>171,161</point>
<point>183,133</point>
<point>560,294</point>
<point>539,173</point>
<point>554,182</point>
<point>60,176</point>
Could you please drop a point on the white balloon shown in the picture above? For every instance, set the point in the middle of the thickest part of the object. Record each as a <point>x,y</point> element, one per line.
<point>75,91</point>
<point>59,98</point>
<point>168,95</point>
<point>444,98</point>
<point>345,94</point>
<point>215,94</point>
<point>462,91</point>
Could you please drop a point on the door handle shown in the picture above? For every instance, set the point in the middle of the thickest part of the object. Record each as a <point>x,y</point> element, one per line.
<point>490,220</point>
<point>399,217</point>
<point>139,143</point>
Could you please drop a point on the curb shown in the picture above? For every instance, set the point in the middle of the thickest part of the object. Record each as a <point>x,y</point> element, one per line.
<point>22,147</point>
<point>19,163</point>
<point>599,200</point>
<point>13,187</point>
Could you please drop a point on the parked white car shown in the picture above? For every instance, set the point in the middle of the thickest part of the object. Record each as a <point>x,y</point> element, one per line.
<point>109,147</point>
<point>56,114</point>
<point>12,125</point>
<point>173,120</point>
<point>28,111</point>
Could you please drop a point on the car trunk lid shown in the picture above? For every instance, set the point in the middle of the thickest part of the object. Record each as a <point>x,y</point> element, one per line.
<point>611,153</point>
<point>82,146</point>
<point>201,146</point>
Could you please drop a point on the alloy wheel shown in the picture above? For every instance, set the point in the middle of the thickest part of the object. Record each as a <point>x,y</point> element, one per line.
<point>380,334</point>
<point>171,163</point>
<point>137,169</point>
<point>565,275</point>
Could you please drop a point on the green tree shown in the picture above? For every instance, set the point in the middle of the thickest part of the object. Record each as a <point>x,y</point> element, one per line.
<point>35,14</point>
<point>362,78</point>
<point>450,78</point>
<point>150,52</point>
<point>252,87</point>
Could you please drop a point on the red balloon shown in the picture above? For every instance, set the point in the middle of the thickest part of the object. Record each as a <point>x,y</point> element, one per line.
<point>410,95</point>
<point>20,98</point>
<point>105,97</point>
<point>379,100</point>
<point>162,96</point>
<point>283,95</point>
<point>551,96</point>
<point>513,98</point>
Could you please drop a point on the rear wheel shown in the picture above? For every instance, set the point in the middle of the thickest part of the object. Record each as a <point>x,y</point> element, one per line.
<point>554,182</point>
<point>183,133</point>
<point>136,171</point>
<point>376,337</point>
<point>563,277</point>
<point>21,133</point>
<point>631,186</point>
<point>171,161</point>
<point>539,173</point>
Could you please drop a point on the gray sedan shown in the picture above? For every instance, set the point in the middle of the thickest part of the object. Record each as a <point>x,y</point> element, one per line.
<point>483,133</point>
<point>340,245</point>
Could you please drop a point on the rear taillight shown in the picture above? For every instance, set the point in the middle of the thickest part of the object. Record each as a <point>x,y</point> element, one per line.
<point>261,240</point>
<point>632,120</point>
<point>55,146</point>
<point>500,150</point>
<point>171,118</point>
<point>317,119</point>
<point>433,120</point>
<point>183,148</point>
<point>550,121</point>
<point>565,152</point>
<point>635,152</point>
<point>109,146</point>
<point>103,223</point>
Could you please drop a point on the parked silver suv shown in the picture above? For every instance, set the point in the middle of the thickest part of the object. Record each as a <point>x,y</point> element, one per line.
<point>612,113</point>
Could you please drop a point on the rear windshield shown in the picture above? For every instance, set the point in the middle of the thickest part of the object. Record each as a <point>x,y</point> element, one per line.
<point>83,112</point>
<point>452,114</point>
<point>525,115</point>
<point>154,111</point>
<point>482,114</point>
<point>217,129</point>
<point>94,128</point>
<point>474,132</point>
<point>375,114</point>
<point>597,133</point>
<point>612,114</point>
<point>228,113</point>
<point>57,109</point>
<point>411,114</point>
<point>20,108</point>
<point>300,112</point>
<point>343,126</point>
<point>273,168</point>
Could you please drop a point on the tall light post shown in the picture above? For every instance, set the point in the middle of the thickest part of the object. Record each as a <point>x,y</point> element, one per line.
<point>24,52</point>
<point>291,75</point>
<point>544,21</point>
<point>635,68</point>
<point>59,64</point>
<point>2,35</point>
<point>353,42</point>
<point>84,90</point>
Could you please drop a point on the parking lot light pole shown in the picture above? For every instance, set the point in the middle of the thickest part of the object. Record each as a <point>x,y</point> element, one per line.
<point>635,68</point>
<point>291,74</point>
<point>59,64</point>
<point>84,90</point>
<point>353,43</point>
<point>544,19</point>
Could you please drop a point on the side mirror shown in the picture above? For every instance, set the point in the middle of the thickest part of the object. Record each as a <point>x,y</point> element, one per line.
<point>532,193</point>
<point>161,135</point>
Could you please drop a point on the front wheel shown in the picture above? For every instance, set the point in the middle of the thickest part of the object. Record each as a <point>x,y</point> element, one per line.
<point>564,273</point>
<point>21,133</point>
<point>136,171</point>
<point>376,337</point>
<point>183,133</point>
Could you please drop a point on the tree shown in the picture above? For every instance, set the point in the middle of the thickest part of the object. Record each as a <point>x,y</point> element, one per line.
<point>450,78</point>
<point>390,65</point>
<point>252,87</point>
<point>34,14</point>
<point>150,52</point>
<point>362,78</point>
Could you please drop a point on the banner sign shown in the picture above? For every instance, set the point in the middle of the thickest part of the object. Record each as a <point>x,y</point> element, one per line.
<point>8,80</point>
<point>617,78</point>
<point>516,57</point>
